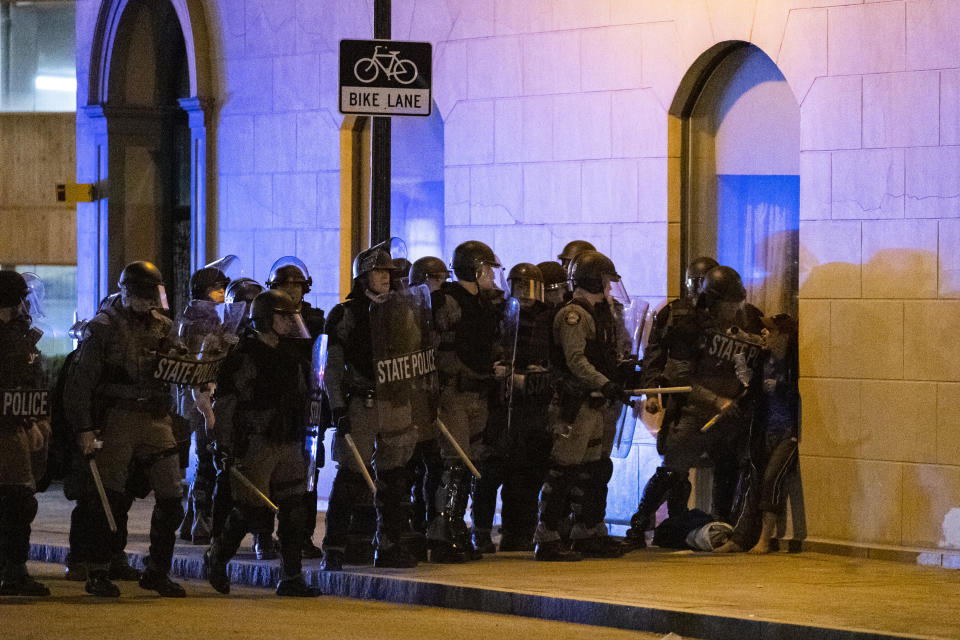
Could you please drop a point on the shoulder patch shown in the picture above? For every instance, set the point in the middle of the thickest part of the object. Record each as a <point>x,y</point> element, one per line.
<point>572,318</point>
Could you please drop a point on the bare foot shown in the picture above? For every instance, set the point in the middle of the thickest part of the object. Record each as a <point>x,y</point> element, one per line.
<point>762,547</point>
<point>728,547</point>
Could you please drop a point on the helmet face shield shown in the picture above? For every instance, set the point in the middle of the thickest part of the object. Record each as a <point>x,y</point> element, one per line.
<point>614,289</point>
<point>33,303</point>
<point>492,276</point>
<point>154,296</point>
<point>289,269</point>
<point>526,289</point>
<point>290,325</point>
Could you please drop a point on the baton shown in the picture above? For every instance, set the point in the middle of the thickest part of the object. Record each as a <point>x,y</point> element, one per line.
<point>107,511</point>
<point>456,445</point>
<point>249,485</point>
<point>363,467</point>
<point>712,421</point>
<point>658,390</point>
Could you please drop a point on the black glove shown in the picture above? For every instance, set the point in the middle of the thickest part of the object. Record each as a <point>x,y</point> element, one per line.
<point>613,391</point>
<point>341,421</point>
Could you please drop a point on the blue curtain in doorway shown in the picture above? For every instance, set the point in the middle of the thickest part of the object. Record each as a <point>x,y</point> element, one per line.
<point>758,221</point>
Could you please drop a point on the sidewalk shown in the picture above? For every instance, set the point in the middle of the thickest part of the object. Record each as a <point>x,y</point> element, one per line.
<point>804,595</point>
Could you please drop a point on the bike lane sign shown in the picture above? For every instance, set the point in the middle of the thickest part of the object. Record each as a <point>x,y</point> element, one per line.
<point>385,77</point>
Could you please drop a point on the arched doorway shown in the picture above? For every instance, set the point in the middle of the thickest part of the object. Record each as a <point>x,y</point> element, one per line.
<point>146,132</point>
<point>740,171</point>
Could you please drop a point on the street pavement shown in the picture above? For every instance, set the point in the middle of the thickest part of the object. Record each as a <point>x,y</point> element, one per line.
<point>257,613</point>
<point>797,595</point>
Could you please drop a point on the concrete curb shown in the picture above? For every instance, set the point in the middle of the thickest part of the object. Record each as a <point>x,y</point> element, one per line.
<point>398,588</point>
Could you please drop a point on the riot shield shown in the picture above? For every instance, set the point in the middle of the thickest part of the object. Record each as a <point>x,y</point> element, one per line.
<point>509,329</point>
<point>230,265</point>
<point>632,319</point>
<point>314,430</point>
<point>404,359</point>
<point>198,347</point>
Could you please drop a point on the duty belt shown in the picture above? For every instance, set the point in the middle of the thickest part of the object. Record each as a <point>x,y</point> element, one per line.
<point>133,398</point>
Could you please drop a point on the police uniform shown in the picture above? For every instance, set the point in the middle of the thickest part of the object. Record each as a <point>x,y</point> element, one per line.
<point>586,340</point>
<point>468,326</point>
<point>112,388</point>
<point>23,453</point>
<point>530,441</point>
<point>260,411</point>
<point>383,432</point>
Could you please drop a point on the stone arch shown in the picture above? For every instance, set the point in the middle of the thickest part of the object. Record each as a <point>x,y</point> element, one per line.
<point>109,121</point>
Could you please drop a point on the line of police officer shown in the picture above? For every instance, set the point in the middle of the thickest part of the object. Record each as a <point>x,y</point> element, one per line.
<point>525,388</point>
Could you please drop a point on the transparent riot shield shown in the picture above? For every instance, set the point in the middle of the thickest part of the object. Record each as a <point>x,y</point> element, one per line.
<point>230,265</point>
<point>632,319</point>
<point>509,329</point>
<point>197,347</point>
<point>404,359</point>
<point>314,428</point>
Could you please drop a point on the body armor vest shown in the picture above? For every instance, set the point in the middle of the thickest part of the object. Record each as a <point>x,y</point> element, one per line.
<point>476,331</point>
<point>715,365</point>
<point>358,348</point>
<point>274,403</point>
<point>131,353</point>
<point>601,349</point>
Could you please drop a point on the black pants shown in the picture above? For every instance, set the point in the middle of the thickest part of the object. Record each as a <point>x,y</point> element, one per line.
<point>244,519</point>
<point>764,491</point>
<point>18,507</point>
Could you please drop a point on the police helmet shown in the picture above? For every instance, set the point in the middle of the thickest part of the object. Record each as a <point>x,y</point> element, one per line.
<point>468,258</point>
<point>590,268</point>
<point>399,277</point>
<point>573,249</point>
<point>267,304</point>
<point>205,280</point>
<point>696,271</point>
<point>13,289</point>
<point>288,270</point>
<point>554,277</point>
<point>242,290</point>
<point>722,284</point>
<point>526,282</point>
<point>428,267</point>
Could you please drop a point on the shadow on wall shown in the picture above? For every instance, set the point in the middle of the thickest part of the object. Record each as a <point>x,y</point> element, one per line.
<point>879,381</point>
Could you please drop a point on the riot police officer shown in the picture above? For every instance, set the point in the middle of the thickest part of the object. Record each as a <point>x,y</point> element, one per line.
<point>374,427</point>
<point>426,465</point>
<point>571,250</point>
<point>674,326</point>
<point>117,402</point>
<point>24,435</point>
<point>586,357</point>
<point>716,355</point>
<point>290,275</point>
<point>260,411</point>
<point>554,283</point>
<point>207,290</point>
<point>523,442</point>
<point>468,323</point>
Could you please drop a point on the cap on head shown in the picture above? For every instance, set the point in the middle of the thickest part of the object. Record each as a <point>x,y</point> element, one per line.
<point>13,288</point>
<point>205,280</point>
<point>573,249</point>
<point>289,270</point>
<point>242,290</point>
<point>267,304</point>
<point>429,266</point>
<point>722,284</point>
<point>469,256</point>
<point>588,271</point>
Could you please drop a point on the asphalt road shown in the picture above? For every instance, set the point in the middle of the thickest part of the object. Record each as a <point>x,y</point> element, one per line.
<point>256,613</point>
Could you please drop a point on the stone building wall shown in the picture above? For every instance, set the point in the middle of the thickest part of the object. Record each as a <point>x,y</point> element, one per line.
<point>556,126</point>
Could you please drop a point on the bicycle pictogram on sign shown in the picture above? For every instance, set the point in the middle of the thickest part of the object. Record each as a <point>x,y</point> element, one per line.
<point>366,70</point>
<point>385,77</point>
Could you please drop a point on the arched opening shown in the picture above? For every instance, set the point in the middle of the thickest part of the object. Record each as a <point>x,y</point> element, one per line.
<point>735,145</point>
<point>142,140</point>
<point>740,171</point>
<point>149,151</point>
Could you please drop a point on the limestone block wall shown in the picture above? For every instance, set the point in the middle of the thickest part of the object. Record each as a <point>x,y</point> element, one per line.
<point>557,126</point>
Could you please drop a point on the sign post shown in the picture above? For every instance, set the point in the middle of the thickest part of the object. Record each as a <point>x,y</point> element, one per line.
<point>384,78</point>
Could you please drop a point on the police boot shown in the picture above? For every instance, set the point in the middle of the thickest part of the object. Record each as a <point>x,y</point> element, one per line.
<point>17,582</point>
<point>98,584</point>
<point>296,587</point>
<point>598,547</point>
<point>447,531</point>
<point>348,487</point>
<point>74,570</point>
<point>216,569</point>
<point>678,498</point>
<point>332,560</point>
<point>654,494</point>
<point>555,551</point>
<point>154,579</point>
<point>392,499</point>
<point>482,542</point>
<point>120,568</point>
